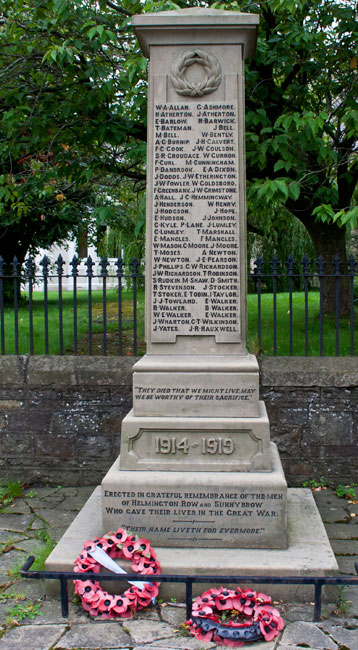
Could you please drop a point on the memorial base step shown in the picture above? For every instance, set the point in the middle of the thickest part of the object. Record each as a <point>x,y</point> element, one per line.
<point>196,386</point>
<point>212,509</point>
<point>309,553</point>
<point>196,444</point>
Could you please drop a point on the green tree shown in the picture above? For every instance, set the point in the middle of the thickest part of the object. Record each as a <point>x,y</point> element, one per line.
<point>73,111</point>
<point>302,120</point>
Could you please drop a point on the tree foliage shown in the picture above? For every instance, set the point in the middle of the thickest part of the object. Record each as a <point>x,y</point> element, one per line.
<point>73,114</point>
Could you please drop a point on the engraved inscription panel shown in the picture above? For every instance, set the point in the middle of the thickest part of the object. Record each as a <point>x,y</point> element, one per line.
<point>191,394</point>
<point>223,450</point>
<point>195,273</point>
<point>215,517</point>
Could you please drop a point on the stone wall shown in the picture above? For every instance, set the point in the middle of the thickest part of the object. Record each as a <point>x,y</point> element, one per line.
<point>313,409</point>
<point>60,417</point>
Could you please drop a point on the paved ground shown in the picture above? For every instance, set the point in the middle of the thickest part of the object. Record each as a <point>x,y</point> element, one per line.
<point>30,621</point>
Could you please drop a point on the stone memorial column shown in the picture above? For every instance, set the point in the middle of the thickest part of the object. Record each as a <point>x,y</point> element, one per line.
<point>196,460</point>
<point>197,474</point>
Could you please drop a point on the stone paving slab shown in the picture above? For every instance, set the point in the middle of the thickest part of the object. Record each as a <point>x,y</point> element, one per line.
<point>342,531</point>
<point>333,514</point>
<point>345,546</point>
<point>346,564</point>
<point>306,635</point>
<point>342,635</point>
<point>95,636</point>
<point>32,637</point>
<point>148,631</point>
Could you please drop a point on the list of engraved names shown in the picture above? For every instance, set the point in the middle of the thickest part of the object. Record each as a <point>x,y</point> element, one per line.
<point>195,232</point>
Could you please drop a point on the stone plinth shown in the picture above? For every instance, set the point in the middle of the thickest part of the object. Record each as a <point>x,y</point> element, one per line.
<point>191,386</point>
<point>180,508</point>
<point>309,553</point>
<point>196,444</point>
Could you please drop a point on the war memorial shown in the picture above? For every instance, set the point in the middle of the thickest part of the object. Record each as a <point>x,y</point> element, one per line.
<point>198,474</point>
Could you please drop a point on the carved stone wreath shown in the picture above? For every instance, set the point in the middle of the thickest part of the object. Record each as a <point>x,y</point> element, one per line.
<point>211,81</point>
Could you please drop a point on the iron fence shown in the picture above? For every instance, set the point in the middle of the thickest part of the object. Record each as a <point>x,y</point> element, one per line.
<point>189,579</point>
<point>97,307</point>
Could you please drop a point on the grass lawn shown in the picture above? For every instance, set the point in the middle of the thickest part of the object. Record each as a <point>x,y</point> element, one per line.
<point>112,338</point>
<point>298,327</point>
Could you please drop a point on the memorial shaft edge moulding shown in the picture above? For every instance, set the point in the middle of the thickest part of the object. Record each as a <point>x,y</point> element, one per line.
<point>196,222</point>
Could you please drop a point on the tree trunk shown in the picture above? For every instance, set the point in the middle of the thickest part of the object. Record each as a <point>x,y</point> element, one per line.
<point>8,252</point>
<point>330,241</point>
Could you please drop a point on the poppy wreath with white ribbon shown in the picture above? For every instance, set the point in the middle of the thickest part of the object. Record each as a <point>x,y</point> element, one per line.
<point>120,544</point>
<point>233,618</point>
<point>211,65</point>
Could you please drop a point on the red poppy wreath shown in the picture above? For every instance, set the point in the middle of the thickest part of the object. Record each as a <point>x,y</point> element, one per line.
<point>233,618</point>
<point>121,544</point>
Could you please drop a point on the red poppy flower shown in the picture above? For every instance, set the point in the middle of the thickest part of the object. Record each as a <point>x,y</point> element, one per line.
<point>132,594</point>
<point>89,546</point>
<point>225,600</point>
<point>85,558</point>
<point>120,604</point>
<point>150,589</point>
<point>211,593</point>
<point>202,636</point>
<point>105,602</point>
<point>246,602</point>
<point>205,610</point>
<point>270,621</point>
<point>86,586</point>
<point>88,608</point>
<point>120,536</point>
<point>145,566</point>
<point>87,568</point>
<point>147,594</point>
<point>128,548</point>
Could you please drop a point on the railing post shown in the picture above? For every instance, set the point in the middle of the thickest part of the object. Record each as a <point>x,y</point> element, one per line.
<point>352,264</point>
<point>60,264</point>
<point>257,278</point>
<point>15,266</point>
<point>134,265</point>
<point>75,262</point>
<point>45,263</point>
<point>2,314</point>
<point>188,597</point>
<point>64,596</point>
<point>89,264</point>
<point>104,274</point>
<point>119,274</point>
<point>30,274</point>
<point>274,267</point>
<point>320,265</point>
<point>305,266</point>
<point>317,601</point>
<point>337,274</point>
<point>290,263</point>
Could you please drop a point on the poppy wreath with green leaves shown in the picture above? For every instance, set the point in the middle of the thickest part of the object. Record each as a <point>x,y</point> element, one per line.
<point>120,544</point>
<point>234,617</point>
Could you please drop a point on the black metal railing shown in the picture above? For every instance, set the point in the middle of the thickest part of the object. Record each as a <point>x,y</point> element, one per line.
<point>335,308</point>
<point>316,581</point>
<point>87,307</point>
<point>30,292</point>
